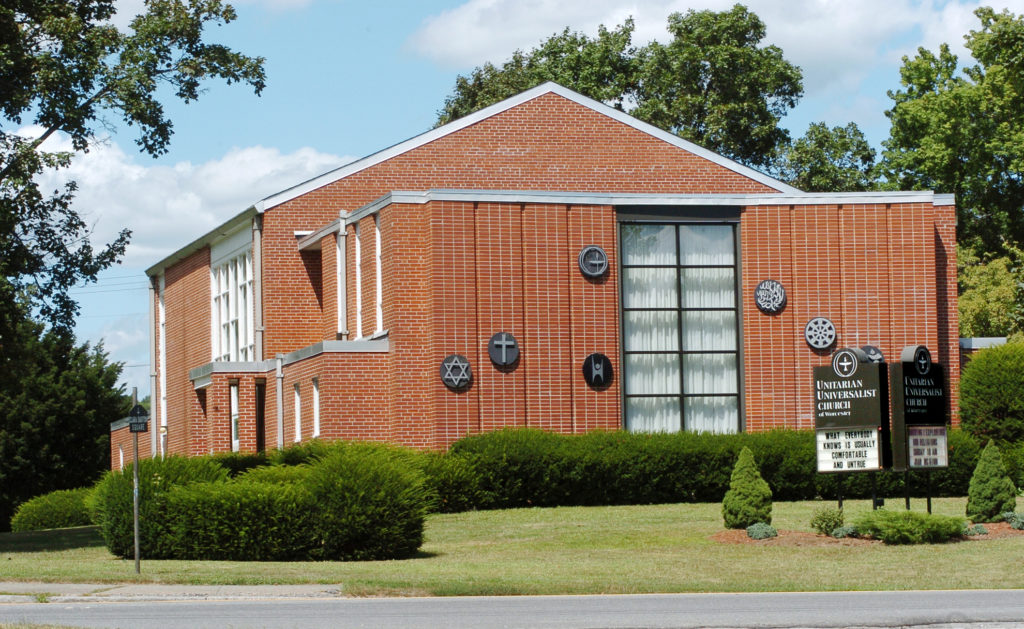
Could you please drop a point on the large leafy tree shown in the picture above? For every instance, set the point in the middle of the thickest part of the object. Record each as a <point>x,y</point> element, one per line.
<point>713,83</point>
<point>57,400</point>
<point>961,131</point>
<point>836,159</point>
<point>991,290</point>
<point>65,68</point>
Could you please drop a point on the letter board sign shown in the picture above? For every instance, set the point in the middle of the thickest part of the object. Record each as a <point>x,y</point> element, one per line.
<point>851,413</point>
<point>919,399</point>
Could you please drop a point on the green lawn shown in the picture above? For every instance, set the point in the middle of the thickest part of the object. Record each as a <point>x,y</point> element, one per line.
<point>569,550</point>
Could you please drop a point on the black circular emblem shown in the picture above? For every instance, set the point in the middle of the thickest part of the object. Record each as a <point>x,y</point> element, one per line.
<point>503,349</point>
<point>455,372</point>
<point>820,333</point>
<point>593,261</point>
<point>875,355</point>
<point>597,370</point>
<point>770,297</point>
<point>922,360</point>
<point>844,363</point>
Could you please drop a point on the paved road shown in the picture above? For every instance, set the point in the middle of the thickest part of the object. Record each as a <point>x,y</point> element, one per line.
<point>319,606</point>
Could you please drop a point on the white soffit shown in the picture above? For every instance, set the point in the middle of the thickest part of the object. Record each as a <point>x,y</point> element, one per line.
<point>497,108</point>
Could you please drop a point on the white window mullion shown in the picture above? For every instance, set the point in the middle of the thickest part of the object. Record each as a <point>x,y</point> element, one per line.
<point>377,272</point>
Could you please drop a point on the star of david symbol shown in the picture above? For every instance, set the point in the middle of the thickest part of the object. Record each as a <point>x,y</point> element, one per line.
<point>455,371</point>
<point>844,363</point>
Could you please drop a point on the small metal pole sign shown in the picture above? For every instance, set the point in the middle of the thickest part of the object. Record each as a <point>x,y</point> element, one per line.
<point>851,413</point>
<point>138,419</point>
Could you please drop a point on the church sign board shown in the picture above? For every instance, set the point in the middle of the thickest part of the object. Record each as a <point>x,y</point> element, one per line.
<point>920,407</point>
<point>851,400</point>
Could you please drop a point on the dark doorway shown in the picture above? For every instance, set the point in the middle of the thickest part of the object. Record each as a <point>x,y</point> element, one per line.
<point>261,416</point>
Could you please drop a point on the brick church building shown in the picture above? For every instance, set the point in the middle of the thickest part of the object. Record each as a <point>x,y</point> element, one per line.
<point>547,261</point>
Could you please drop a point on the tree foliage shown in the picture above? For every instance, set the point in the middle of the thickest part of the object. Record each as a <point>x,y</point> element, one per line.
<point>990,292</point>
<point>962,131</point>
<point>992,393</point>
<point>57,400</point>
<point>837,159</point>
<point>749,499</point>
<point>991,492</point>
<point>712,83</point>
<point>64,68</point>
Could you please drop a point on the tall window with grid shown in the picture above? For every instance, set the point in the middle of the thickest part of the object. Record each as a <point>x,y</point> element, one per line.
<point>679,323</point>
<point>231,282</point>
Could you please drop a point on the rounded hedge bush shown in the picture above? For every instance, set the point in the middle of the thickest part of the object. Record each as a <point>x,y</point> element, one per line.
<point>991,492</point>
<point>749,499</point>
<point>368,503</point>
<point>827,519</point>
<point>56,510</point>
<point>909,527</point>
<point>281,474</point>
<point>114,503</point>
<point>992,393</point>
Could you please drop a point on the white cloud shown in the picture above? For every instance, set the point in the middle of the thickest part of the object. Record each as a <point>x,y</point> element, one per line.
<point>167,207</point>
<point>841,46</point>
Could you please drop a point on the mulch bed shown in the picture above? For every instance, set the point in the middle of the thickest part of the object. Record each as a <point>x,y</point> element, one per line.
<point>996,530</point>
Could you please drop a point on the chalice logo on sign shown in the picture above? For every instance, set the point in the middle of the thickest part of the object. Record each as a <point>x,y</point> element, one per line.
<point>593,261</point>
<point>844,363</point>
<point>922,360</point>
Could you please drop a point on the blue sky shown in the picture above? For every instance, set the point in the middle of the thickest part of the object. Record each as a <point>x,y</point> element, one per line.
<point>346,79</point>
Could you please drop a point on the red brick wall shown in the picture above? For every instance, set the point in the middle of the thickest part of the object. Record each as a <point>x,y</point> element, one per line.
<point>870,269</point>
<point>121,442</point>
<point>549,143</point>
<point>187,307</point>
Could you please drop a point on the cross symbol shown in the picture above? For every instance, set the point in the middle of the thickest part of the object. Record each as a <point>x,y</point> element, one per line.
<point>505,343</point>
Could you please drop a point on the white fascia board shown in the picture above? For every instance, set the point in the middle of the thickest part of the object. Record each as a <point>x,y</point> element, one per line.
<point>497,108</point>
<point>311,241</point>
<point>618,199</point>
<point>223,230</point>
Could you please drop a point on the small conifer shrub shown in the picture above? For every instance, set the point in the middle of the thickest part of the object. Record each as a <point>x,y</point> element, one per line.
<point>826,520</point>
<point>749,499</point>
<point>991,492</point>
<point>761,530</point>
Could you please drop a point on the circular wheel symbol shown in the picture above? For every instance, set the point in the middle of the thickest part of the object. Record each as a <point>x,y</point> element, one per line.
<point>820,333</point>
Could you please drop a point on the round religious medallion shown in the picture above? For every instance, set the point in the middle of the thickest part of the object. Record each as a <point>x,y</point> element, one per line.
<point>820,333</point>
<point>874,354</point>
<point>770,297</point>
<point>844,363</point>
<point>593,261</point>
<point>922,360</point>
<point>503,349</point>
<point>597,370</point>
<point>455,372</point>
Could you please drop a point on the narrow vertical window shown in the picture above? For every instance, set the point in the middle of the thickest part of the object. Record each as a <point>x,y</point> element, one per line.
<point>359,285</point>
<point>233,404</point>
<point>298,413</point>
<point>679,323</point>
<point>120,457</point>
<point>377,273</point>
<point>316,407</point>
<point>232,325</point>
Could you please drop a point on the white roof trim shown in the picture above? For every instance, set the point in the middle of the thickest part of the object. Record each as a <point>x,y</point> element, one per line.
<point>487,112</point>
<point>613,198</point>
<point>223,230</point>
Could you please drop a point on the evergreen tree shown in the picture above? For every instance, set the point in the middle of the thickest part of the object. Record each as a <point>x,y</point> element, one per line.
<point>57,400</point>
<point>991,492</point>
<point>749,499</point>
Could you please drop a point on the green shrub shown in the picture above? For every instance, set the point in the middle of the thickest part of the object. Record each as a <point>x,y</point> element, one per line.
<point>909,527</point>
<point>826,520</point>
<point>991,491</point>
<point>238,462</point>
<point>55,510</point>
<point>281,474</point>
<point>761,530</point>
<point>305,452</point>
<point>156,478</point>
<point>452,482</point>
<point>241,521</point>
<point>749,499</point>
<point>977,529</point>
<point>992,393</point>
<point>844,531</point>
<point>369,502</point>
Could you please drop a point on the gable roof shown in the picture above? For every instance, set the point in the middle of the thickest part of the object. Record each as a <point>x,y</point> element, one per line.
<point>482,114</point>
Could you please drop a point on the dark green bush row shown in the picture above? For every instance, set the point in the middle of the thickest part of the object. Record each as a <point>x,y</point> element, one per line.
<point>910,527</point>
<point>55,510</point>
<point>525,467</point>
<point>343,502</point>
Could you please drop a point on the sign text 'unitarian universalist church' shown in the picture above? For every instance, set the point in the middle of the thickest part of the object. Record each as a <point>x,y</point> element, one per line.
<point>851,413</point>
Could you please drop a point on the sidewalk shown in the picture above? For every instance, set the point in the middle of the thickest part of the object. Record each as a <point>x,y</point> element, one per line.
<point>31,592</point>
